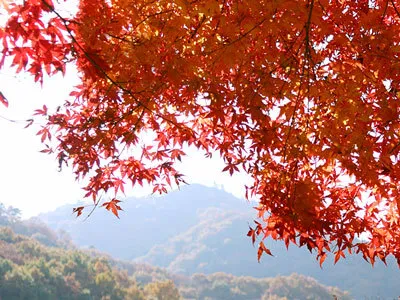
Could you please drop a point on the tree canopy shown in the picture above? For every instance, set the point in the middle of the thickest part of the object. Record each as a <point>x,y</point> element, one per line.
<point>302,95</point>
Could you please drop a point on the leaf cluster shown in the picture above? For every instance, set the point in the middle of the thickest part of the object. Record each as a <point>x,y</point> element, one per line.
<point>301,95</point>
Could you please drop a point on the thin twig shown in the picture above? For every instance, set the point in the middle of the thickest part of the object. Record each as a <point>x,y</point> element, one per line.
<point>93,209</point>
<point>384,11</point>
<point>30,121</point>
<point>395,8</point>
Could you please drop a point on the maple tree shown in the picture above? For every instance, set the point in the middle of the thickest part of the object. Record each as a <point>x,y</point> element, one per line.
<point>302,95</point>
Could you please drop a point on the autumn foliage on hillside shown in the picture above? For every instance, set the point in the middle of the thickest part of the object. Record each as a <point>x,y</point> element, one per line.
<point>302,95</point>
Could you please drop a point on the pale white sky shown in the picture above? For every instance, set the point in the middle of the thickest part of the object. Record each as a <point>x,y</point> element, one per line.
<point>29,179</point>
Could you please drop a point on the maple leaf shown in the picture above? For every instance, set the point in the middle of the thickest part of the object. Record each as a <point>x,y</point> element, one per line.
<point>42,111</point>
<point>322,258</point>
<point>262,249</point>
<point>113,206</point>
<point>78,210</point>
<point>251,233</point>
<point>3,100</point>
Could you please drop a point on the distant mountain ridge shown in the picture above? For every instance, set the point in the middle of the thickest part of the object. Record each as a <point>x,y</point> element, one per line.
<point>203,230</point>
<point>145,221</point>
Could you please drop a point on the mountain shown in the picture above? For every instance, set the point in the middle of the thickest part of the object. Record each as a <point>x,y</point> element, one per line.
<point>31,269</point>
<point>203,230</point>
<point>145,221</point>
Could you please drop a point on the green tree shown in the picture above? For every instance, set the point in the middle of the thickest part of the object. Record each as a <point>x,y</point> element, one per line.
<point>9,215</point>
<point>165,290</point>
<point>133,292</point>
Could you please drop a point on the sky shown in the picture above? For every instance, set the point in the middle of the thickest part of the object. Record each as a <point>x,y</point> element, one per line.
<point>30,180</point>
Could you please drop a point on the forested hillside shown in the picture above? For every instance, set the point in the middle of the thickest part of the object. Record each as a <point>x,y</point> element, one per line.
<point>203,230</point>
<point>32,269</point>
